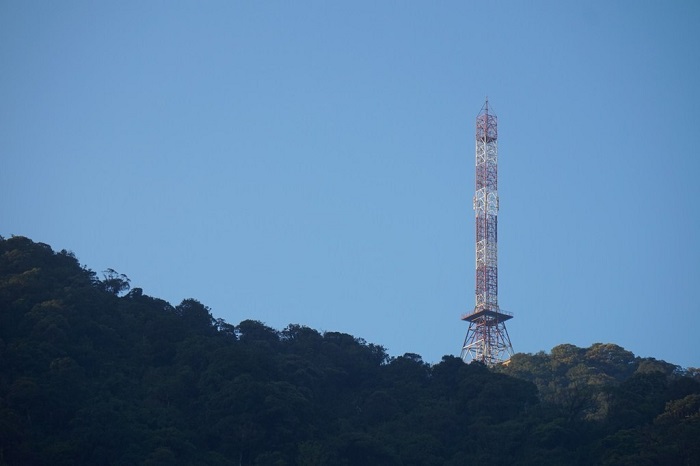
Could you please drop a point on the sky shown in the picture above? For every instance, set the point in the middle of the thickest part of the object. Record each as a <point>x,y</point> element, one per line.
<point>313,162</point>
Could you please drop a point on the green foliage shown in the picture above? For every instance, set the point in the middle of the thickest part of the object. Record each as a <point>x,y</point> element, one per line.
<point>93,372</point>
<point>115,282</point>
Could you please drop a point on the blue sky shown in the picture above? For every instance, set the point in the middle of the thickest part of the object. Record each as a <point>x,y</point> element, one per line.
<point>313,162</point>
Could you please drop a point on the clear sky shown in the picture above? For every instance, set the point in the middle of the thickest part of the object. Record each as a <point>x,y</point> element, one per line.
<point>313,162</point>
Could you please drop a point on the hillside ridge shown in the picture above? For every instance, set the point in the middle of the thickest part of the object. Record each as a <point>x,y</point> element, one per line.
<point>94,372</point>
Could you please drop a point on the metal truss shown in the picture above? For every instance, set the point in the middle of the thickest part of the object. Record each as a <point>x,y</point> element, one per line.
<point>487,339</point>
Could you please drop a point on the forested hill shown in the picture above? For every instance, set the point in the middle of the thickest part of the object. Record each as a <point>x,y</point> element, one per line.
<point>94,373</point>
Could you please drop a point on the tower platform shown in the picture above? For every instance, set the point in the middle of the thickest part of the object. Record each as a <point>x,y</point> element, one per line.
<point>476,314</point>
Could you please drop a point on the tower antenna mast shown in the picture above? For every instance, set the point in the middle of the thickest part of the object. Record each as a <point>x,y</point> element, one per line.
<point>487,339</point>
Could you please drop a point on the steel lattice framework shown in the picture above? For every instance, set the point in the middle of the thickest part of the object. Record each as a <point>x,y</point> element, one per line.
<point>487,339</point>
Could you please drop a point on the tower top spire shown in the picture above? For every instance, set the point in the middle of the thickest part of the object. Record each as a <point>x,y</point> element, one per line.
<point>486,109</point>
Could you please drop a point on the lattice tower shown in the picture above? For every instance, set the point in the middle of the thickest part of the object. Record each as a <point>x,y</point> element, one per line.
<point>487,338</point>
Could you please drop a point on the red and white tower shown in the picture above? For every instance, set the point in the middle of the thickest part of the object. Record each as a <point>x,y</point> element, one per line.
<point>487,339</point>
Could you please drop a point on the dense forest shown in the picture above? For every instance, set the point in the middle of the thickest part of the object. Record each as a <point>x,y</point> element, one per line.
<point>93,372</point>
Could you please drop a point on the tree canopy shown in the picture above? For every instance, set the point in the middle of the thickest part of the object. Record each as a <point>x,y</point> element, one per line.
<point>95,372</point>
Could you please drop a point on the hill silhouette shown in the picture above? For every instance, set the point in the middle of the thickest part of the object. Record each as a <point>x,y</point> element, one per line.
<point>93,372</point>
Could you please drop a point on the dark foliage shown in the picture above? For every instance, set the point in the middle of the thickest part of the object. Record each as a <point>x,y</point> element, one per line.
<point>92,373</point>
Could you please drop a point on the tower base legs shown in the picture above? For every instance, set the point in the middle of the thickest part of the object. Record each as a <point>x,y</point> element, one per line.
<point>487,341</point>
